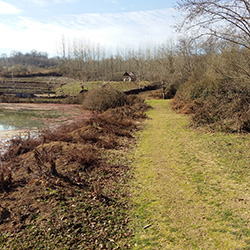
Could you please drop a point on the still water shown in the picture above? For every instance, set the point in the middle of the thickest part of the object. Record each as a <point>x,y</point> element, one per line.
<point>25,118</point>
<point>18,119</point>
<point>4,127</point>
<point>35,116</point>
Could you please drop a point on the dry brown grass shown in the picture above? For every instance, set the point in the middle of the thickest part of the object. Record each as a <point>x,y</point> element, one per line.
<point>5,178</point>
<point>185,107</point>
<point>66,181</point>
<point>20,145</point>
<point>225,108</point>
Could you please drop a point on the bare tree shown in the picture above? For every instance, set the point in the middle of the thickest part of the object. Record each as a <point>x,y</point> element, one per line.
<point>225,19</point>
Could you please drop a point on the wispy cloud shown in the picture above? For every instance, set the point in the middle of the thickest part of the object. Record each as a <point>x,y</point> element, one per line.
<point>7,8</point>
<point>128,27</point>
<point>110,30</point>
<point>110,1</point>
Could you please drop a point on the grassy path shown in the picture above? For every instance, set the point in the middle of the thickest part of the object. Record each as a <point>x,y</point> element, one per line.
<point>191,189</point>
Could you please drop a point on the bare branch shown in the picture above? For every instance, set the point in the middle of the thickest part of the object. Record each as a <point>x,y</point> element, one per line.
<point>217,14</point>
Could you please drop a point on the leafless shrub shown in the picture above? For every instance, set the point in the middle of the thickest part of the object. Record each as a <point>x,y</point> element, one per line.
<point>102,99</point>
<point>61,133</point>
<point>229,109</point>
<point>42,157</point>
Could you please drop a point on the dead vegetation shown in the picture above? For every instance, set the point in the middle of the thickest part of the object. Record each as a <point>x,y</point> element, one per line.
<point>102,99</point>
<point>225,107</point>
<point>217,93</point>
<point>65,184</point>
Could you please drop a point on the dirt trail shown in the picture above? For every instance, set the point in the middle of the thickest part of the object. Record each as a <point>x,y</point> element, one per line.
<point>191,189</point>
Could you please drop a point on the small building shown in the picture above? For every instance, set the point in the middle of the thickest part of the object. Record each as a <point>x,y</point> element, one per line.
<point>129,76</point>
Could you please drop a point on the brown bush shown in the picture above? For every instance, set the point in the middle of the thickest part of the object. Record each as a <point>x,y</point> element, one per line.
<point>185,107</point>
<point>218,92</point>
<point>102,99</point>
<point>60,134</point>
<point>87,158</point>
<point>228,109</point>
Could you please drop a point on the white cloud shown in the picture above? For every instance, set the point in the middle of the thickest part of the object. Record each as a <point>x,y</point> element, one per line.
<point>6,8</point>
<point>128,27</point>
<point>110,30</point>
<point>46,3</point>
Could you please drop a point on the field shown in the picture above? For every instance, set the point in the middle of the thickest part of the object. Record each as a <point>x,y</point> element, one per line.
<point>53,86</point>
<point>34,85</point>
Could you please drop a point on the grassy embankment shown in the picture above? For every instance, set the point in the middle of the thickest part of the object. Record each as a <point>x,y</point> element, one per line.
<point>75,87</point>
<point>191,188</point>
<point>50,89</point>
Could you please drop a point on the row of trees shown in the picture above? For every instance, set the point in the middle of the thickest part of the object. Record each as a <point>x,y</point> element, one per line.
<point>33,58</point>
<point>87,61</point>
<point>18,63</point>
<point>169,62</point>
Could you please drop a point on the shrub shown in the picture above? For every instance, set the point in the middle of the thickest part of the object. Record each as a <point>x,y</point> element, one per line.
<point>102,99</point>
<point>218,92</point>
<point>170,91</point>
<point>228,109</point>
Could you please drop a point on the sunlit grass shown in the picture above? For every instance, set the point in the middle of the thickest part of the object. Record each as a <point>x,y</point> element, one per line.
<point>191,188</point>
<point>75,87</point>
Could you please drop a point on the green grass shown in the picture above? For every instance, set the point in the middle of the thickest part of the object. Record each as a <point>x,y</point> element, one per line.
<point>71,89</point>
<point>191,189</point>
<point>75,87</point>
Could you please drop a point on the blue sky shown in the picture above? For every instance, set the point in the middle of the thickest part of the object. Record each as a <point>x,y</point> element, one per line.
<point>40,24</point>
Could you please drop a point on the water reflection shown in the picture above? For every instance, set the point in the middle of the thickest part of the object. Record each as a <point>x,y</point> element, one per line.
<point>36,116</point>
<point>6,127</point>
<point>24,119</point>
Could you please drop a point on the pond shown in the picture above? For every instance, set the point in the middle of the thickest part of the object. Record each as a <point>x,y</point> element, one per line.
<point>19,117</point>
<point>25,118</point>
